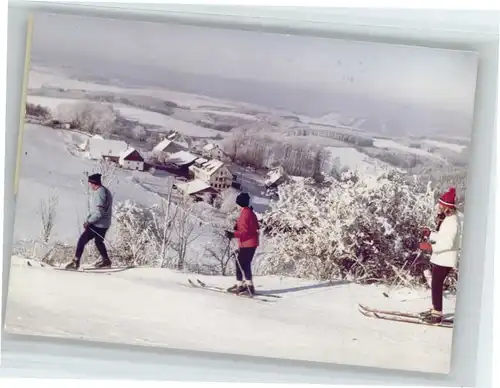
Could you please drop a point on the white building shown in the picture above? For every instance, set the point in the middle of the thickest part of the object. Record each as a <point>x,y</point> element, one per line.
<point>213,172</point>
<point>131,159</point>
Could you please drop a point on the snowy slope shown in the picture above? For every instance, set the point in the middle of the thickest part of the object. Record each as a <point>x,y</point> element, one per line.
<point>354,160</point>
<point>153,307</point>
<point>165,122</point>
<point>391,144</point>
<point>40,76</point>
<point>62,171</point>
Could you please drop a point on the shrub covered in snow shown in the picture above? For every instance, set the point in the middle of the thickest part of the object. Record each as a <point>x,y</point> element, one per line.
<point>360,229</point>
<point>38,111</point>
<point>90,117</point>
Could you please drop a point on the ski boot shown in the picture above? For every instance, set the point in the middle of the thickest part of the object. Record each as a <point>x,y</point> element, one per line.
<point>104,263</point>
<point>433,318</point>
<point>73,265</point>
<point>426,313</point>
<point>237,289</point>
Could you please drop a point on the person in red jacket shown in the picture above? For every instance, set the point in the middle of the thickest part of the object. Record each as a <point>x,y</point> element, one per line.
<point>246,231</point>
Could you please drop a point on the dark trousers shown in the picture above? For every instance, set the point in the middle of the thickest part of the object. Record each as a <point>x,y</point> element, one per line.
<point>245,257</point>
<point>439,274</point>
<point>97,234</point>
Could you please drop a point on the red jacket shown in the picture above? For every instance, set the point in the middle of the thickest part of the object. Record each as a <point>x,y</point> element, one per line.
<point>247,229</point>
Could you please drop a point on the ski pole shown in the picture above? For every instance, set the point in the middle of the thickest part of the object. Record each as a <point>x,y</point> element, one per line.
<point>398,280</point>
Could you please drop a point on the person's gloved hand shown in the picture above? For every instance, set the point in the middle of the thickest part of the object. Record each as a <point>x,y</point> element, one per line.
<point>426,247</point>
<point>229,235</point>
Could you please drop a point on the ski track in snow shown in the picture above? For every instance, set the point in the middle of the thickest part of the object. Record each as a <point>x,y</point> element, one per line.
<point>152,307</point>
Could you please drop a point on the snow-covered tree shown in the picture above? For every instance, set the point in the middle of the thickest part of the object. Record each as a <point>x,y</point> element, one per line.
<point>139,133</point>
<point>358,228</point>
<point>87,116</point>
<point>132,233</point>
<point>162,226</point>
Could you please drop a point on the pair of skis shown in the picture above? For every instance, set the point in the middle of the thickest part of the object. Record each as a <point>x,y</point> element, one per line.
<point>95,270</point>
<point>398,316</point>
<point>256,296</point>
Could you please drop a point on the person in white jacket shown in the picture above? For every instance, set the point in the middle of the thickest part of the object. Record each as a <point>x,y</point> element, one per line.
<point>443,245</point>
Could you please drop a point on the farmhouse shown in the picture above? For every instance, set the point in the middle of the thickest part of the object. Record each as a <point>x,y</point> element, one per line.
<point>213,172</point>
<point>212,151</point>
<point>168,146</point>
<point>105,149</point>
<point>197,189</point>
<point>276,177</point>
<point>131,159</point>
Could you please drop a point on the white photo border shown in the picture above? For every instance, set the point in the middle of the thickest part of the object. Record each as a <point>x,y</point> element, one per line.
<point>465,30</point>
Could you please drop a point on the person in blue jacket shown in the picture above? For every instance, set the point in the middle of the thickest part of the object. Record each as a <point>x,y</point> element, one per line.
<point>97,223</point>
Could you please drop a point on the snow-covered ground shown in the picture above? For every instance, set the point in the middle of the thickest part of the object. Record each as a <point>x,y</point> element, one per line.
<point>154,307</point>
<point>165,122</point>
<point>353,159</point>
<point>40,76</point>
<point>441,144</point>
<point>391,144</point>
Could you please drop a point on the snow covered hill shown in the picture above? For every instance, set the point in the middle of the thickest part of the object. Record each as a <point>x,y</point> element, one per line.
<point>46,164</point>
<point>155,307</point>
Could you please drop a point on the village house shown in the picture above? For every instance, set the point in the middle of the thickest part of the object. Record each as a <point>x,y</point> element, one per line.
<point>131,159</point>
<point>179,163</point>
<point>197,190</point>
<point>275,177</point>
<point>212,151</point>
<point>99,148</point>
<point>167,146</point>
<point>213,172</point>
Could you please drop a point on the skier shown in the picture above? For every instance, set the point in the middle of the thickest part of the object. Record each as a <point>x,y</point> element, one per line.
<point>97,223</point>
<point>443,246</point>
<point>246,231</point>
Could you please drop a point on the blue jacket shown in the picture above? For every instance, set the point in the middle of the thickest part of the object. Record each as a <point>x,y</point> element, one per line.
<point>101,208</point>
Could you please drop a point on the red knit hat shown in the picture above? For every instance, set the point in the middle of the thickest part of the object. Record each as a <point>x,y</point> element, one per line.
<point>448,198</point>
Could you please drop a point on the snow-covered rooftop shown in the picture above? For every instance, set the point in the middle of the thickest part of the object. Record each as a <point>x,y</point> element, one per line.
<point>193,187</point>
<point>161,146</point>
<point>127,152</point>
<point>212,166</point>
<point>209,147</point>
<point>99,148</point>
<point>181,158</point>
<point>274,175</point>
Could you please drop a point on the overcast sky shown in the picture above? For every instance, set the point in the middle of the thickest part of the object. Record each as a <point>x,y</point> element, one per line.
<point>428,76</point>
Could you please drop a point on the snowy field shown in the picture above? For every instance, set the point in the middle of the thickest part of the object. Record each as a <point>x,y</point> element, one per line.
<point>441,144</point>
<point>152,307</point>
<point>353,159</point>
<point>391,144</point>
